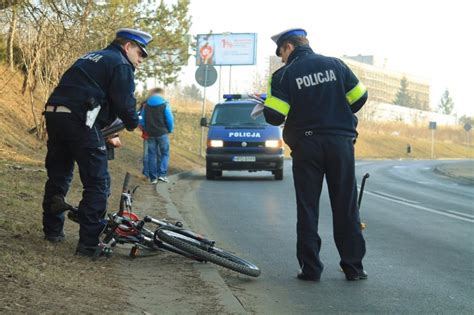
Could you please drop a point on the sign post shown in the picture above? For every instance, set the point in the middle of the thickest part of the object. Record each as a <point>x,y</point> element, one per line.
<point>432,126</point>
<point>468,127</point>
<point>206,75</point>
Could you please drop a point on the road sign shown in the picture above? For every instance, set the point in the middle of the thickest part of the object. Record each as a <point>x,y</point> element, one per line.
<point>432,125</point>
<point>206,52</point>
<point>467,126</point>
<point>206,75</point>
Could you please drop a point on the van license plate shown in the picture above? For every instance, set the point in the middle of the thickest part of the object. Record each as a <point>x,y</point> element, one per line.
<point>244,159</point>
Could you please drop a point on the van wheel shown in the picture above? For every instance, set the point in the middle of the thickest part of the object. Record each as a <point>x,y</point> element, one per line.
<point>212,174</point>
<point>278,174</point>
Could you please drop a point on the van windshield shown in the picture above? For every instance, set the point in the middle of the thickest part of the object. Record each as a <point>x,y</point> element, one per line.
<point>236,115</point>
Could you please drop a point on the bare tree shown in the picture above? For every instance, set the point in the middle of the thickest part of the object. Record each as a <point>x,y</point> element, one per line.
<point>54,33</point>
<point>52,37</point>
<point>4,4</point>
<point>11,37</point>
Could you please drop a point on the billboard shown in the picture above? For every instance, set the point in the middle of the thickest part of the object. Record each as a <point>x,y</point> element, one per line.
<point>226,49</point>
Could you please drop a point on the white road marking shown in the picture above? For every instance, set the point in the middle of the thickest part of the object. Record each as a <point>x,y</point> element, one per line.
<point>461,213</point>
<point>419,207</point>
<point>424,182</point>
<point>395,197</point>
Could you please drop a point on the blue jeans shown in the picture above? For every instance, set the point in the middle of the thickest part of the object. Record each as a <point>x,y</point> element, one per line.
<point>158,156</point>
<point>146,170</point>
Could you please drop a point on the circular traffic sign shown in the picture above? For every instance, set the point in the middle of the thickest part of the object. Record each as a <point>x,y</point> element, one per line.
<point>206,52</point>
<point>206,75</point>
<point>467,126</point>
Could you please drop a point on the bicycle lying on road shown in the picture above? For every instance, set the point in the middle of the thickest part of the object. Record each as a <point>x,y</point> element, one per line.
<point>125,227</point>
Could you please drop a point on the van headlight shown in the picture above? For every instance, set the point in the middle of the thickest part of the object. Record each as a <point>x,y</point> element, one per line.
<point>273,144</point>
<point>215,143</point>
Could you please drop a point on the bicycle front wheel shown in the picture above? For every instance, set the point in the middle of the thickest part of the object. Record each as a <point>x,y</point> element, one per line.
<point>208,253</point>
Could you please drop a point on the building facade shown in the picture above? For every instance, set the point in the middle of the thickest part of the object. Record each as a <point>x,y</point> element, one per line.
<point>384,84</point>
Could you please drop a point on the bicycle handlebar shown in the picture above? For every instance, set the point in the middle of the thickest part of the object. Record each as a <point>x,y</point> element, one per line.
<point>362,186</point>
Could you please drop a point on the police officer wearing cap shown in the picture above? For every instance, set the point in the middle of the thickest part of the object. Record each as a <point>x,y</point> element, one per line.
<point>316,97</point>
<point>92,93</point>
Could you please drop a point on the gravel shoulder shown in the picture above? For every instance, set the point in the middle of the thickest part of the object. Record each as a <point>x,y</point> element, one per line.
<point>462,171</point>
<point>166,283</point>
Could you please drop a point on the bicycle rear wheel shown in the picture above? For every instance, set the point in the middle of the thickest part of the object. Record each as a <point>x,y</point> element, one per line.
<point>208,253</point>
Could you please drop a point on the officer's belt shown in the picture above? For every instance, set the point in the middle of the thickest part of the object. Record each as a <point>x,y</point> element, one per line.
<point>57,109</point>
<point>315,132</point>
<point>303,132</point>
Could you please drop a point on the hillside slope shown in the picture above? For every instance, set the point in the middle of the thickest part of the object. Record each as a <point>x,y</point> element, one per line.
<point>20,144</point>
<point>16,118</point>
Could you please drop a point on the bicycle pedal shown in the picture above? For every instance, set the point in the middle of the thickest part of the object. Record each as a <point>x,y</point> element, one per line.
<point>73,216</point>
<point>58,205</point>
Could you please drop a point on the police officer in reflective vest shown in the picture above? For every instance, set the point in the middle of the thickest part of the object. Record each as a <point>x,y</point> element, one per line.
<point>318,96</point>
<point>92,93</point>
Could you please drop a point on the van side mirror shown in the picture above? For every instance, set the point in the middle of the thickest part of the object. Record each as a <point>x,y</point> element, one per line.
<point>203,122</point>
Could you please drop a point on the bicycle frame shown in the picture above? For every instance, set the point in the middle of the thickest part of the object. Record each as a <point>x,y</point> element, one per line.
<point>126,227</point>
<point>180,229</point>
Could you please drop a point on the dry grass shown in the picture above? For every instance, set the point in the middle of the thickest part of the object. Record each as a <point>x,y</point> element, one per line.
<point>390,140</point>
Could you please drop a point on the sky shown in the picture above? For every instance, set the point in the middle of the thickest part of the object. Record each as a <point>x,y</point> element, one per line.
<point>429,39</point>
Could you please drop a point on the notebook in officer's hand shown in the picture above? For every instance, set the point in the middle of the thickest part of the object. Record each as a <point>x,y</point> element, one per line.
<point>257,111</point>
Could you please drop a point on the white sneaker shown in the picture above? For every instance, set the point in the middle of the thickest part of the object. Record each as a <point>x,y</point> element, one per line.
<point>163,179</point>
<point>155,181</point>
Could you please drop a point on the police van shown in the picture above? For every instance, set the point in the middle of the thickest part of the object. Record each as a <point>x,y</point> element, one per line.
<point>236,141</point>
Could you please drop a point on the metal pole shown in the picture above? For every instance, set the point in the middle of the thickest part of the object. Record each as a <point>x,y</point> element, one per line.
<point>230,78</point>
<point>219,93</point>
<point>201,150</point>
<point>469,143</point>
<point>432,143</point>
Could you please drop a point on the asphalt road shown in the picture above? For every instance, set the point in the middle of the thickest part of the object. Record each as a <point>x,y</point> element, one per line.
<point>420,237</point>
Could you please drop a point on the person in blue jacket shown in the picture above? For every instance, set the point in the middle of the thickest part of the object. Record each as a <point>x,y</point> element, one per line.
<point>92,93</point>
<point>156,120</point>
<point>316,97</point>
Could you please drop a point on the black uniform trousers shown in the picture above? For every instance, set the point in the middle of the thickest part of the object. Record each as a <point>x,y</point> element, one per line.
<point>69,141</point>
<point>314,157</point>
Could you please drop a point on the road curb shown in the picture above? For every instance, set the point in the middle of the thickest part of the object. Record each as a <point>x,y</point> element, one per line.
<point>208,272</point>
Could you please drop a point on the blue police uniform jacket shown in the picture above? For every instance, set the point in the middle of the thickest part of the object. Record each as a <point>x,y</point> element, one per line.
<point>314,92</point>
<point>105,75</point>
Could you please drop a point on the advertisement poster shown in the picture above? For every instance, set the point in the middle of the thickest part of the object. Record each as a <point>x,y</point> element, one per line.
<point>226,49</point>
